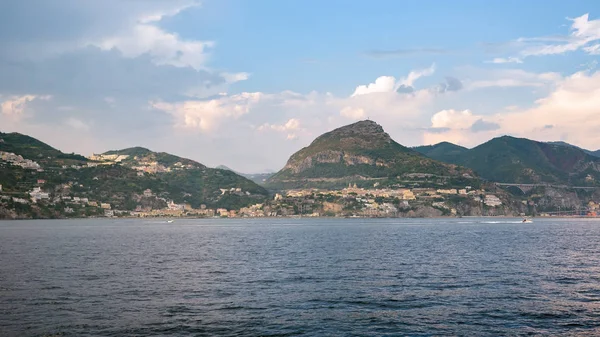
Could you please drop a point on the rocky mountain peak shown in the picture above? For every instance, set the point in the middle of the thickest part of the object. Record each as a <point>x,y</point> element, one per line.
<point>362,134</point>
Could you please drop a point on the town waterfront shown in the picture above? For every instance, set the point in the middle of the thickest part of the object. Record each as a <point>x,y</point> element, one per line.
<point>222,277</point>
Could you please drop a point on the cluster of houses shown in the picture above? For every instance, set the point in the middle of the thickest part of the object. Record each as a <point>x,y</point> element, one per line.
<point>108,158</point>
<point>143,165</point>
<point>18,160</point>
<point>400,193</point>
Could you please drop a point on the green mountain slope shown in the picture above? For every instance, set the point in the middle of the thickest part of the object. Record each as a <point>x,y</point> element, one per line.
<point>140,156</point>
<point>519,160</point>
<point>593,153</point>
<point>187,181</point>
<point>362,150</point>
<point>33,149</point>
<point>121,182</point>
<point>443,151</point>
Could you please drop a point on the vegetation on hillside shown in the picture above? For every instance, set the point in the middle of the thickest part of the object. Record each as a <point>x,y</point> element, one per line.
<point>33,149</point>
<point>443,151</point>
<point>519,160</point>
<point>360,150</point>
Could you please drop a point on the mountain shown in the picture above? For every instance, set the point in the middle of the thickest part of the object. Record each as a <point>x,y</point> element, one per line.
<point>124,179</point>
<point>187,181</point>
<point>259,178</point>
<point>33,149</point>
<point>519,160</point>
<point>361,151</point>
<point>593,153</point>
<point>443,151</point>
<point>136,156</point>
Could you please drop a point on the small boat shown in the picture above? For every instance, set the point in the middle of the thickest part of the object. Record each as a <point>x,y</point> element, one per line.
<point>170,221</point>
<point>525,220</point>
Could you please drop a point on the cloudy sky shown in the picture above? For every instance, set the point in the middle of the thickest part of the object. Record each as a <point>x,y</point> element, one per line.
<point>247,83</point>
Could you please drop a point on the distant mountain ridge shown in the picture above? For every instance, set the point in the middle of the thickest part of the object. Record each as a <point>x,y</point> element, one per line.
<point>590,152</point>
<point>259,178</point>
<point>520,160</point>
<point>362,150</point>
<point>443,151</point>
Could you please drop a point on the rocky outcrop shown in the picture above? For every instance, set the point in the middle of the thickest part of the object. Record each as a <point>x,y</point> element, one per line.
<point>362,148</point>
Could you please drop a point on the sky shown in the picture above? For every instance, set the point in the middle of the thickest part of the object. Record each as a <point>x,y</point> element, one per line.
<point>247,83</point>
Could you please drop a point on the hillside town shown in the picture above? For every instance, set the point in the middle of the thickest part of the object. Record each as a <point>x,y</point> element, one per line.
<point>68,200</point>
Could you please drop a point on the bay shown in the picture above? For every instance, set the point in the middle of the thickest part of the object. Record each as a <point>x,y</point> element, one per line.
<point>299,277</point>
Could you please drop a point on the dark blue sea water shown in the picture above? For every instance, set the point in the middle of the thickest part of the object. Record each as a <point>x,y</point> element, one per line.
<point>299,277</point>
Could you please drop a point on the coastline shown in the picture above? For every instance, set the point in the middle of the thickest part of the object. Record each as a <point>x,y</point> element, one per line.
<point>167,218</point>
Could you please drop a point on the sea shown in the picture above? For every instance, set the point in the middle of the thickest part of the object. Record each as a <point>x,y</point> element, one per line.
<point>300,277</point>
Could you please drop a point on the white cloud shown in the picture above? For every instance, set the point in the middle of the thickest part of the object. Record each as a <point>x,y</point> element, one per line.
<point>71,25</point>
<point>381,84</point>
<point>164,48</point>
<point>16,105</point>
<point>415,75</point>
<point>511,78</point>
<point>291,124</point>
<point>235,77</point>
<point>570,112</point>
<point>583,32</point>
<point>208,115</point>
<point>501,60</point>
<point>453,119</point>
<point>572,109</point>
<point>131,27</point>
<point>289,127</point>
<point>353,113</point>
<point>389,83</point>
<point>593,49</point>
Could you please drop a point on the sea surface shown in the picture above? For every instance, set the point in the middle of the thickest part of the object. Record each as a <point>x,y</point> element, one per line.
<point>300,277</point>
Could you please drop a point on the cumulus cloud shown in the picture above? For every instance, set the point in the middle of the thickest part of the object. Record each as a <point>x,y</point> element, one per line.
<point>353,113</point>
<point>572,109</point>
<point>381,84</point>
<point>208,115</point>
<point>453,119</point>
<point>390,84</point>
<point>456,127</point>
<point>15,105</point>
<point>65,25</point>
<point>289,127</point>
<point>291,124</point>
<point>569,112</point>
<point>118,77</point>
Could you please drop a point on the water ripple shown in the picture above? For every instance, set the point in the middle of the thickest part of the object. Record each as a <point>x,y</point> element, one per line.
<point>314,277</point>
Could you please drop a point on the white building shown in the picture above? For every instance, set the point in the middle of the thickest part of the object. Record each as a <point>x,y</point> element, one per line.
<point>37,194</point>
<point>492,200</point>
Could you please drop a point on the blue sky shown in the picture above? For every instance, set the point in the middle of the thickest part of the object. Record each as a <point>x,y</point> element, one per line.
<point>247,83</point>
<point>329,45</point>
